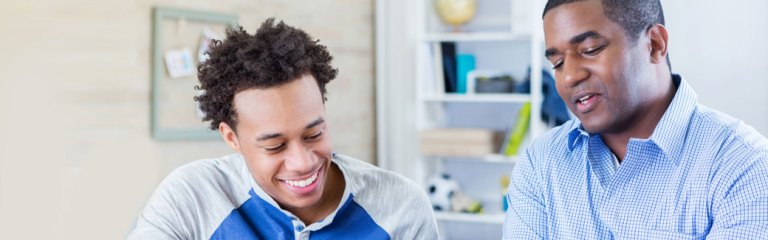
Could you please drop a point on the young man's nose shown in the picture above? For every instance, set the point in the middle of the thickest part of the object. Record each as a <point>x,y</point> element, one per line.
<point>299,158</point>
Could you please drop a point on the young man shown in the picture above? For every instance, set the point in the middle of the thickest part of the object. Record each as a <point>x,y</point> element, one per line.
<point>643,160</point>
<point>265,94</point>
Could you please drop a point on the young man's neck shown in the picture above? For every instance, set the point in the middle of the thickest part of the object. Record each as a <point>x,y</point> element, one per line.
<point>645,123</point>
<point>332,194</point>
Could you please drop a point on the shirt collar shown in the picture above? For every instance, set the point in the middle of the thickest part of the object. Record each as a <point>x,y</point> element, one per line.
<point>669,134</point>
<point>315,226</point>
<point>576,130</point>
<point>672,127</point>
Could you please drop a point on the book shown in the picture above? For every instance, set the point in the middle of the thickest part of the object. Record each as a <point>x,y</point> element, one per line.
<point>448,52</point>
<point>460,135</point>
<point>516,134</point>
<point>457,150</point>
<point>465,63</point>
<point>437,66</point>
<point>426,57</point>
<point>455,142</point>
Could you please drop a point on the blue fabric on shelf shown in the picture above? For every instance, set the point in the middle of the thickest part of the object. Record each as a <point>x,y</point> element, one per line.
<point>553,106</point>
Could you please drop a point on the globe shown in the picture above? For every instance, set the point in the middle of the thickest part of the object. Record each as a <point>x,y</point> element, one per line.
<point>456,12</point>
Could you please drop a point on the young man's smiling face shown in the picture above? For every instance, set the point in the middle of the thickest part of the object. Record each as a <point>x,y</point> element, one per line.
<point>602,76</point>
<point>282,134</point>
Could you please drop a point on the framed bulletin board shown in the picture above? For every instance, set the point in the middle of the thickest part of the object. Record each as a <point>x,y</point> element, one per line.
<point>179,41</point>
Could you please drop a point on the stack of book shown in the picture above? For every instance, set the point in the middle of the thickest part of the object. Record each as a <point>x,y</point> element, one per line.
<point>460,142</point>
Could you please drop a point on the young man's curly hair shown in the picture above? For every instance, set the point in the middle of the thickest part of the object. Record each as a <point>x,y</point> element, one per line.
<point>277,54</point>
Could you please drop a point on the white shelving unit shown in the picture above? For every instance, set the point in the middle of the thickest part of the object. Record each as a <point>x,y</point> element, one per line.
<point>500,38</point>
<point>476,37</point>
<point>485,97</point>
<point>470,218</point>
<point>493,49</point>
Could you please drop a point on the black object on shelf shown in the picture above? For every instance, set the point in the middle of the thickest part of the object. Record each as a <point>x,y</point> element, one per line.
<point>448,50</point>
<point>495,84</point>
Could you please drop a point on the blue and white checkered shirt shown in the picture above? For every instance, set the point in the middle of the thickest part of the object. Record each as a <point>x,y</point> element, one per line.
<point>701,174</point>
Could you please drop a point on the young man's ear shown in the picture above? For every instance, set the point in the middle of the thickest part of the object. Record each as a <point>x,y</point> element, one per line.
<point>659,42</point>
<point>229,135</point>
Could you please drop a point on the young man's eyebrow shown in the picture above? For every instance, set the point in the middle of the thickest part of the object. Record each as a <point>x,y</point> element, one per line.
<point>317,121</point>
<point>268,136</point>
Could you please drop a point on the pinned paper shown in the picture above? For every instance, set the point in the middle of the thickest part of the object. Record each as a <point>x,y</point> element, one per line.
<point>179,63</point>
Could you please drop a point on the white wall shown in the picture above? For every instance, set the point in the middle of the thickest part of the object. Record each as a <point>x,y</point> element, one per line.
<point>721,48</point>
<point>76,157</point>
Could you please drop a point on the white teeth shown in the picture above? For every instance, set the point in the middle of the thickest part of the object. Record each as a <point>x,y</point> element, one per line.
<point>302,183</point>
<point>583,99</point>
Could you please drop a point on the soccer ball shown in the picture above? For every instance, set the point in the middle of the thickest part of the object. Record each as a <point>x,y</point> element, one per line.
<point>441,190</point>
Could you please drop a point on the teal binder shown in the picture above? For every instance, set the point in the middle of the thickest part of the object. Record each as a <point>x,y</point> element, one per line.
<point>464,64</point>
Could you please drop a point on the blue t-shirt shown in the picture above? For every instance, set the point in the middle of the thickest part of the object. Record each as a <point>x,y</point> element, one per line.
<point>218,199</point>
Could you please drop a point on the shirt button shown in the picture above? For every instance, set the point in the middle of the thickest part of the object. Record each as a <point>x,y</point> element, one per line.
<point>299,228</point>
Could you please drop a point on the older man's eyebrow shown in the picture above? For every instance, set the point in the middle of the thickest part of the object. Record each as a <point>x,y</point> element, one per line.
<point>583,36</point>
<point>574,40</point>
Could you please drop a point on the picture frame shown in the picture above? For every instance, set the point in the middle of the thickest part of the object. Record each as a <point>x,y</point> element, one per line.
<point>178,36</point>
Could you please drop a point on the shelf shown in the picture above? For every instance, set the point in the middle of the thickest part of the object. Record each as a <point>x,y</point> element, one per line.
<point>480,97</point>
<point>496,158</point>
<point>474,37</point>
<point>497,218</point>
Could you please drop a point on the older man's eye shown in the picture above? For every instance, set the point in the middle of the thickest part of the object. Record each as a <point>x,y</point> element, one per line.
<point>594,51</point>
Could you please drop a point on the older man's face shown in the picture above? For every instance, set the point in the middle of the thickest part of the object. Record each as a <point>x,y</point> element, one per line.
<point>599,73</point>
